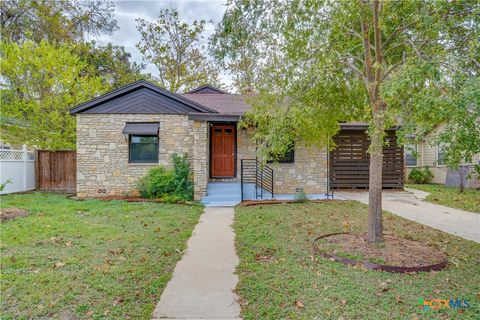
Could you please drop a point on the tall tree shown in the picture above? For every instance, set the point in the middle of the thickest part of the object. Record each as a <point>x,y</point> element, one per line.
<point>329,61</point>
<point>111,63</point>
<point>55,21</point>
<point>175,48</point>
<point>40,83</point>
<point>242,63</point>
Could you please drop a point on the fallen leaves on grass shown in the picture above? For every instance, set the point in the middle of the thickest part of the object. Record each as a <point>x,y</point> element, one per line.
<point>117,251</point>
<point>260,257</point>
<point>299,304</point>
<point>117,302</point>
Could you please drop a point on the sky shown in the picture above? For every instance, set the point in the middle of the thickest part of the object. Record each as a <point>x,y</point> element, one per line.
<point>126,11</point>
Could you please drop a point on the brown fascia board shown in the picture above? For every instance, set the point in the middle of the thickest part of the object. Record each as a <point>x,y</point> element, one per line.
<point>213,117</point>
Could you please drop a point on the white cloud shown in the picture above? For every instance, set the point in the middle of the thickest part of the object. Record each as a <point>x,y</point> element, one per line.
<point>127,11</point>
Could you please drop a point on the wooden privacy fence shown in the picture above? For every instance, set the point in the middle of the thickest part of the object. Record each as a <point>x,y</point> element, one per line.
<point>56,170</point>
<point>350,161</point>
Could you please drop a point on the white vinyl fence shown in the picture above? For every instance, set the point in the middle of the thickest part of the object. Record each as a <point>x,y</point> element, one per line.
<point>18,167</point>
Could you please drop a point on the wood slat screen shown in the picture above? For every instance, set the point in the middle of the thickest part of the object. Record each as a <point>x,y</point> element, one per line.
<point>350,161</point>
<point>57,170</point>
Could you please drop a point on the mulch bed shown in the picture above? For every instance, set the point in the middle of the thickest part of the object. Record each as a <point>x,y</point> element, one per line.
<point>248,203</point>
<point>127,199</point>
<point>397,254</point>
<point>12,213</point>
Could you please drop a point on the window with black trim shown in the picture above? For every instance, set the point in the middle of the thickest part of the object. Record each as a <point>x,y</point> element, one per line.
<point>143,149</point>
<point>288,157</point>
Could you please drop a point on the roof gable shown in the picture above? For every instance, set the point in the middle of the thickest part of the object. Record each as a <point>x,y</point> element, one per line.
<point>209,89</point>
<point>140,97</point>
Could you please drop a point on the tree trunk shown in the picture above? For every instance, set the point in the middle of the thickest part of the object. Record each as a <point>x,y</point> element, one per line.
<point>375,222</point>
<point>460,175</point>
<point>374,78</point>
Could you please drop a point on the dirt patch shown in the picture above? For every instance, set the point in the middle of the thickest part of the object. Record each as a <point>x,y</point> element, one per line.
<point>128,199</point>
<point>248,203</point>
<point>12,213</point>
<point>394,251</point>
<point>111,198</point>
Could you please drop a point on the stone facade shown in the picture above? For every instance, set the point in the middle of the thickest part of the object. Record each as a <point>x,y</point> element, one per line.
<point>308,171</point>
<point>102,156</point>
<point>102,152</point>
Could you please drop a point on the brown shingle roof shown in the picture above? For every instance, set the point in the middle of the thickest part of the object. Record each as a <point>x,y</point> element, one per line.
<point>232,104</point>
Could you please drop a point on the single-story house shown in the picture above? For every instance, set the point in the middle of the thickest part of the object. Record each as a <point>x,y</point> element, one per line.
<point>426,153</point>
<point>122,134</point>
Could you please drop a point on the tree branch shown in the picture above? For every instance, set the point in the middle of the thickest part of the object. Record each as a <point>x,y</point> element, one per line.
<point>368,57</point>
<point>391,69</point>
<point>354,68</point>
<point>378,45</point>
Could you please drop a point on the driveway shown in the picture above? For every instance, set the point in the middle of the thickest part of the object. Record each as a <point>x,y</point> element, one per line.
<point>455,221</point>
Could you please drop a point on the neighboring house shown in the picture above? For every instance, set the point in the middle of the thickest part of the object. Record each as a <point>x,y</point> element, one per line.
<point>427,154</point>
<point>121,134</point>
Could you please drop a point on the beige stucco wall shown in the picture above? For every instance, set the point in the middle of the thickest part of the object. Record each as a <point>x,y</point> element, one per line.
<point>309,170</point>
<point>102,152</point>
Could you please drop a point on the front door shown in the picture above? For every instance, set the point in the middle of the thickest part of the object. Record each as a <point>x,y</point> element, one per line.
<point>223,151</point>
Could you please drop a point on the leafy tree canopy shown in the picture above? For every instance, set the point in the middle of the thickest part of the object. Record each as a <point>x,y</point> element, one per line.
<point>40,84</point>
<point>55,21</point>
<point>111,63</point>
<point>323,62</point>
<point>176,49</point>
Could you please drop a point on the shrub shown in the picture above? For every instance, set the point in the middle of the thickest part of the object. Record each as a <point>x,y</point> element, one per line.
<point>300,196</point>
<point>171,185</point>
<point>420,175</point>
<point>182,178</point>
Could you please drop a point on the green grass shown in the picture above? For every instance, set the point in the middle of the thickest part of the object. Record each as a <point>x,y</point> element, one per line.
<point>89,259</point>
<point>468,200</point>
<point>269,287</point>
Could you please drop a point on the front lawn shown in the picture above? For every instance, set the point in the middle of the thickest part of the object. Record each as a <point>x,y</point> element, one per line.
<point>468,200</point>
<point>89,259</point>
<point>282,278</point>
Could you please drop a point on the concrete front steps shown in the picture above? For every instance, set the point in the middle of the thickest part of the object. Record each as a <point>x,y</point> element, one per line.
<point>228,194</point>
<point>222,194</point>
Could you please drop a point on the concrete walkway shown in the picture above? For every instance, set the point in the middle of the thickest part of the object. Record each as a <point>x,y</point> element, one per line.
<point>455,221</point>
<point>203,282</point>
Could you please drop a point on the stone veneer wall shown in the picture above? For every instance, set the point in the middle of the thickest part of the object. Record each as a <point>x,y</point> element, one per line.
<point>102,152</point>
<point>309,170</point>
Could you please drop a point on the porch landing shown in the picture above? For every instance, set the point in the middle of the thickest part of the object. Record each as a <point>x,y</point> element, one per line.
<point>228,194</point>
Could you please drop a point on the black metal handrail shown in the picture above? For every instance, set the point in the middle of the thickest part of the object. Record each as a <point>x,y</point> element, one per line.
<point>252,171</point>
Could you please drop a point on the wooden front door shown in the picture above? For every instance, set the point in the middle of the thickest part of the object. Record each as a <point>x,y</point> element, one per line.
<point>223,151</point>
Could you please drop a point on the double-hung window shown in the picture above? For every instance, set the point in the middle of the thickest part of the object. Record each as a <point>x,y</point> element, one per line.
<point>411,155</point>
<point>440,155</point>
